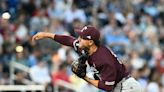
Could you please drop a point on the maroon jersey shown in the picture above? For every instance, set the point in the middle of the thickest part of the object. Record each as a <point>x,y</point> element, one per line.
<point>103,60</point>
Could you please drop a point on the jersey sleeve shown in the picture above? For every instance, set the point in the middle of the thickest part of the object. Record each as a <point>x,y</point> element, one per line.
<point>64,40</point>
<point>67,41</point>
<point>108,77</point>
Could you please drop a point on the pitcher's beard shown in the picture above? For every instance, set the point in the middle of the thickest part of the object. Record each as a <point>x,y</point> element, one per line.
<point>86,49</point>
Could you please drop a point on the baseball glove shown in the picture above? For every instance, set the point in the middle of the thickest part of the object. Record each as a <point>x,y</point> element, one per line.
<point>79,69</point>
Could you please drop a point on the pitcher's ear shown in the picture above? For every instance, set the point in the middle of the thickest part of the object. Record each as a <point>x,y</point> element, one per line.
<point>91,42</point>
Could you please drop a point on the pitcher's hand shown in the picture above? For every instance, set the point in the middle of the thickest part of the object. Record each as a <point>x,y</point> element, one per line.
<point>41,35</point>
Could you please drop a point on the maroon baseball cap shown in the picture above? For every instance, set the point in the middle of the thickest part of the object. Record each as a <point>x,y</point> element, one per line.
<point>88,32</point>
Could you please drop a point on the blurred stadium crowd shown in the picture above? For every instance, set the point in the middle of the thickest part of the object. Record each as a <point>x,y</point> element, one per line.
<point>133,29</point>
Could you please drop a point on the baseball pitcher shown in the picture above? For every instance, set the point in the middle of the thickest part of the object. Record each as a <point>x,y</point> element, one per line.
<point>109,73</point>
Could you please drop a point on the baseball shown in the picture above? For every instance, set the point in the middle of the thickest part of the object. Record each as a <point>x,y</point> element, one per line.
<point>6,15</point>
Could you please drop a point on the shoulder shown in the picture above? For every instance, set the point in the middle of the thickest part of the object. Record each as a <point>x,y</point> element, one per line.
<point>102,53</point>
<point>103,48</point>
<point>106,53</point>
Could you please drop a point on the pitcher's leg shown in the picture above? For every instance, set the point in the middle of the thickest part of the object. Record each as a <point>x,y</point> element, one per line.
<point>129,85</point>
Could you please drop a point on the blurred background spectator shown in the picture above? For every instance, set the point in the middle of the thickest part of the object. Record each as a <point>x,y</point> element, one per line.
<point>133,29</point>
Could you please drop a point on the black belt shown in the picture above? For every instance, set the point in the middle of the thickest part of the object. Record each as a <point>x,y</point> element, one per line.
<point>124,78</point>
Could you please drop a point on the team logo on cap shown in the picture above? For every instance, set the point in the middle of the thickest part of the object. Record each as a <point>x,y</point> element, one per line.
<point>85,28</point>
